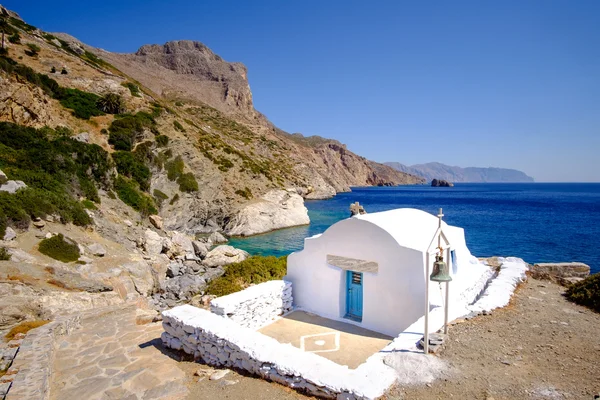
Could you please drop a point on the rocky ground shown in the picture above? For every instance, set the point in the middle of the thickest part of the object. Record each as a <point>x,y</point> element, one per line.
<point>539,347</point>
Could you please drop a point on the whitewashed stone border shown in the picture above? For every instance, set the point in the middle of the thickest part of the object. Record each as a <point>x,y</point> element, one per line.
<point>257,305</point>
<point>221,342</point>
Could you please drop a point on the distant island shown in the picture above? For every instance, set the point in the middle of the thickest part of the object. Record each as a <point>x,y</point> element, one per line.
<point>434,170</point>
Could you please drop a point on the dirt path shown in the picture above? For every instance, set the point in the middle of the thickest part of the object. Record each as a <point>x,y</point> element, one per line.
<point>539,347</point>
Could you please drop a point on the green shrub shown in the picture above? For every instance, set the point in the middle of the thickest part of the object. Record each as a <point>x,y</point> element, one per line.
<point>111,103</point>
<point>256,269</point>
<point>586,292</point>
<point>95,60</point>
<point>174,168</point>
<point>179,104</point>
<point>4,254</point>
<point>21,24</point>
<point>15,38</point>
<point>64,71</point>
<point>187,183</point>
<point>129,193</point>
<point>82,103</point>
<point>130,166</point>
<point>162,140</point>
<point>59,248</point>
<point>245,193</point>
<point>174,199</point>
<point>159,197</point>
<point>88,204</point>
<point>178,126</point>
<point>133,88</point>
<point>53,70</point>
<point>126,130</point>
<point>33,51</point>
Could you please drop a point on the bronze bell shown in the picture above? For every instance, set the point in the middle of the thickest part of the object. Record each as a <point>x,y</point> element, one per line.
<point>440,270</point>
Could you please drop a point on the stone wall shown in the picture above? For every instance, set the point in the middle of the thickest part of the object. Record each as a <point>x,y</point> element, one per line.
<point>257,305</point>
<point>563,273</point>
<point>221,342</point>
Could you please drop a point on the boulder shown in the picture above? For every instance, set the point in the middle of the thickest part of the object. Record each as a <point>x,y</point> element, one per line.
<point>9,234</point>
<point>83,137</point>
<point>181,244</point>
<point>184,287</point>
<point>223,255</point>
<point>38,223</point>
<point>141,275</point>
<point>200,248</point>
<point>12,186</point>
<point>97,249</point>
<point>128,223</point>
<point>441,183</point>
<point>156,221</point>
<point>275,210</point>
<point>3,178</point>
<point>175,269</point>
<point>154,243</point>
<point>217,238</point>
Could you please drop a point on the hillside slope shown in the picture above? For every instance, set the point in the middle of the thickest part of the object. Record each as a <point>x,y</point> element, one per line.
<point>435,170</point>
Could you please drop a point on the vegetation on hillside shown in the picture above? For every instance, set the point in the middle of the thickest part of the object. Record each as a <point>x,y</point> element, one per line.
<point>4,254</point>
<point>130,193</point>
<point>111,103</point>
<point>126,130</point>
<point>57,170</point>
<point>133,88</point>
<point>60,248</point>
<point>256,269</point>
<point>82,103</point>
<point>586,292</point>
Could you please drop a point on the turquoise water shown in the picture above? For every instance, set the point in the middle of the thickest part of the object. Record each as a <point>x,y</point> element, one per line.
<point>539,222</point>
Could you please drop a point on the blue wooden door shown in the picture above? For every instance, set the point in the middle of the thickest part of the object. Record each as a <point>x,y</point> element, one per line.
<point>354,300</point>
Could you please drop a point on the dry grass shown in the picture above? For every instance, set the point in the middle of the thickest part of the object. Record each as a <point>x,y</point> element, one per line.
<point>24,327</point>
<point>24,279</point>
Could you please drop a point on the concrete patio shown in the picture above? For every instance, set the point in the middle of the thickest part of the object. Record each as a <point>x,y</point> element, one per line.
<point>342,343</point>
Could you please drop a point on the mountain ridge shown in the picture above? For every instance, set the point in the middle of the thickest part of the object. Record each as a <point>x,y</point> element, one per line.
<point>436,170</point>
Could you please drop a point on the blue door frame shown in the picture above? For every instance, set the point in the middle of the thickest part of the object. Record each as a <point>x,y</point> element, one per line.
<point>354,295</point>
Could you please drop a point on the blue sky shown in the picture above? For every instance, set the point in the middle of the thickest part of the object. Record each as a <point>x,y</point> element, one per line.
<point>511,84</point>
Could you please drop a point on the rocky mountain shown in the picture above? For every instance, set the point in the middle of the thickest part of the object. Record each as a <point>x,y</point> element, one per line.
<point>435,170</point>
<point>133,164</point>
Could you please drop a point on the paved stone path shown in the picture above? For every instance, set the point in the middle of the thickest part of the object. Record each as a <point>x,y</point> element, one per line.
<point>113,358</point>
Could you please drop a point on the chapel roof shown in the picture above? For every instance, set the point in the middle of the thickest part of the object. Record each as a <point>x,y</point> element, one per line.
<point>410,227</point>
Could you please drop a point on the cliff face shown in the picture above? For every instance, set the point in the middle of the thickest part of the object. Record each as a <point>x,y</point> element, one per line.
<point>435,170</point>
<point>189,69</point>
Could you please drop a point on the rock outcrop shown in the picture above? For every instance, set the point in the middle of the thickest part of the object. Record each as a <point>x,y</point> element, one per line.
<point>441,183</point>
<point>223,255</point>
<point>562,273</point>
<point>275,210</point>
<point>12,186</point>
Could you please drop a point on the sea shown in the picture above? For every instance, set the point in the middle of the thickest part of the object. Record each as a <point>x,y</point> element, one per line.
<point>538,222</point>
